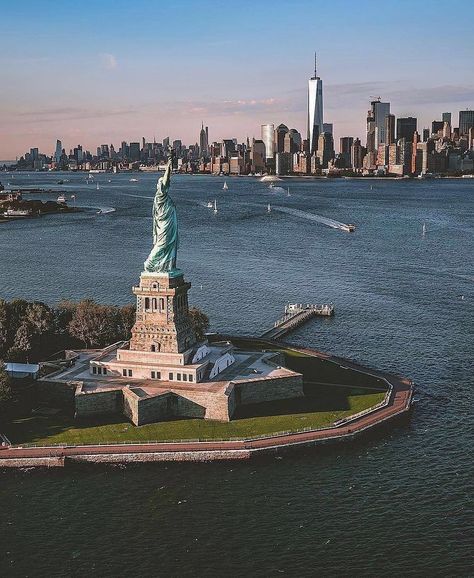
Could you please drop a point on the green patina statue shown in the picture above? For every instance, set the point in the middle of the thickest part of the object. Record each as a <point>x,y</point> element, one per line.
<point>162,258</point>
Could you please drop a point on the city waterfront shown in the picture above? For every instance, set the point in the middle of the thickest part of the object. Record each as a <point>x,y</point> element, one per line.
<point>396,504</point>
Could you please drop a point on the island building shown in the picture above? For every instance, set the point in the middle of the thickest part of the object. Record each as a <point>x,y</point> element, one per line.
<point>164,371</point>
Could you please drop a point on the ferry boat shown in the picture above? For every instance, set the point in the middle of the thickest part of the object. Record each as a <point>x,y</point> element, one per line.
<point>16,213</point>
<point>134,180</point>
<point>61,198</point>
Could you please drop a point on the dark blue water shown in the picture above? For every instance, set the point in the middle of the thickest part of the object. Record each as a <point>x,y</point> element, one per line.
<point>396,505</point>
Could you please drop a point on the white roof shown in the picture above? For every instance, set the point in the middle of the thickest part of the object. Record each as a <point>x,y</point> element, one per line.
<point>22,367</point>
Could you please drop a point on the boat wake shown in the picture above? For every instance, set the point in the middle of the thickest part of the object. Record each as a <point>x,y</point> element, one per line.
<point>105,210</point>
<point>312,217</point>
<point>136,196</point>
<point>276,189</point>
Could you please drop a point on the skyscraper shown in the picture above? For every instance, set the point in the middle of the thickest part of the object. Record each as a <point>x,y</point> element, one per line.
<point>203,142</point>
<point>279,140</point>
<point>315,109</point>
<point>58,152</point>
<point>406,128</point>
<point>389,129</point>
<point>267,137</point>
<point>345,147</point>
<point>466,121</point>
<point>446,117</point>
<point>381,110</point>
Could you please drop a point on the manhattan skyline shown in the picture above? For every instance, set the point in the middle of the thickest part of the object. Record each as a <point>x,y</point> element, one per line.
<point>89,74</point>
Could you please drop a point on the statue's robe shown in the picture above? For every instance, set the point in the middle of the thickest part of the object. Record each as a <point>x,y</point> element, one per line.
<point>162,258</point>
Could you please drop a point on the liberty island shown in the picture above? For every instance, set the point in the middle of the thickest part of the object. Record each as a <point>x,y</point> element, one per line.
<point>165,372</point>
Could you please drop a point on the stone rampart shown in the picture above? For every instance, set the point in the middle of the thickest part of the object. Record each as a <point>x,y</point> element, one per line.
<point>99,403</point>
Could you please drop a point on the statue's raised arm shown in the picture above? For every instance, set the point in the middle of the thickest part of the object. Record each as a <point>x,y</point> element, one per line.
<point>166,179</point>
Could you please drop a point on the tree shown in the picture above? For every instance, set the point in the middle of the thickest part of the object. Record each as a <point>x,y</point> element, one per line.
<point>127,320</point>
<point>199,322</point>
<point>6,394</point>
<point>95,325</point>
<point>4,342</point>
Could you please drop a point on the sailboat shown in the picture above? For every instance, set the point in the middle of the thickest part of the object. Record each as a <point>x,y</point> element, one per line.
<point>215,206</point>
<point>269,208</point>
<point>288,192</point>
<point>97,187</point>
<point>423,229</point>
<point>225,187</point>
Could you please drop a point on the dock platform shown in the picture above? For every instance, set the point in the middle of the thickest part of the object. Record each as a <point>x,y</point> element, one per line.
<point>295,315</point>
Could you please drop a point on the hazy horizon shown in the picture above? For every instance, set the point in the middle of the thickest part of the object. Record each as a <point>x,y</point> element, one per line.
<point>91,74</point>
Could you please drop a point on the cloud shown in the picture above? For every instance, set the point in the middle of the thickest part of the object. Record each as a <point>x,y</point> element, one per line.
<point>62,114</point>
<point>108,61</point>
<point>236,107</point>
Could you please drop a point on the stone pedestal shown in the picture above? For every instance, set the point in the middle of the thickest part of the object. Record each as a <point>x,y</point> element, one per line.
<point>162,322</point>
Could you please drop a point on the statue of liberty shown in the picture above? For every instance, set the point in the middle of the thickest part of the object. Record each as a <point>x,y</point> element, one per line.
<point>162,258</point>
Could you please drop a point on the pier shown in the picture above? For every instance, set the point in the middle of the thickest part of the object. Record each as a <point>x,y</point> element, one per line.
<point>295,315</point>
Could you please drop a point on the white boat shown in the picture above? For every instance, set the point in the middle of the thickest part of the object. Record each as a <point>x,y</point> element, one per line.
<point>225,187</point>
<point>97,187</point>
<point>15,213</point>
<point>209,205</point>
<point>134,180</point>
<point>350,228</point>
<point>423,229</point>
<point>269,208</point>
<point>61,198</point>
<point>288,192</point>
<point>269,178</point>
<point>215,206</point>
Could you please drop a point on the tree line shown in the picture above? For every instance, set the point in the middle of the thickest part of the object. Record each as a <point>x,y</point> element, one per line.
<point>33,331</point>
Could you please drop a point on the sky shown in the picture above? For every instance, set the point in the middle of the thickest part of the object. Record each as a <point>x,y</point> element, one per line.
<point>95,72</point>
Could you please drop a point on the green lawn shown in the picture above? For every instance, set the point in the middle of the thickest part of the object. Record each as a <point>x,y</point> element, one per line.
<point>319,409</point>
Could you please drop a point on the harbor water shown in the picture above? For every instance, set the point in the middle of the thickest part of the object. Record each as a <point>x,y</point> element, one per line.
<point>396,504</point>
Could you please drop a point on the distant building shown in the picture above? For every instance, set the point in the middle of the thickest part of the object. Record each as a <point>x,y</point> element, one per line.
<point>345,148</point>
<point>389,129</point>
<point>357,154</point>
<point>436,126</point>
<point>134,149</point>
<point>325,151</point>
<point>58,152</point>
<point>328,127</point>
<point>446,117</point>
<point>283,163</point>
<point>279,140</point>
<point>315,109</point>
<point>204,142</point>
<point>257,156</point>
<point>466,121</point>
<point>406,127</point>
<point>292,143</point>
<point>267,131</point>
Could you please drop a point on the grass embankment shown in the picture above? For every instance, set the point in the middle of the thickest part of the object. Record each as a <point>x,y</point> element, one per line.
<point>314,411</point>
<point>321,407</point>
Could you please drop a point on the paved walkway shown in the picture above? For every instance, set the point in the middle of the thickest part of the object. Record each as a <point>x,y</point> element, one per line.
<point>399,403</point>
